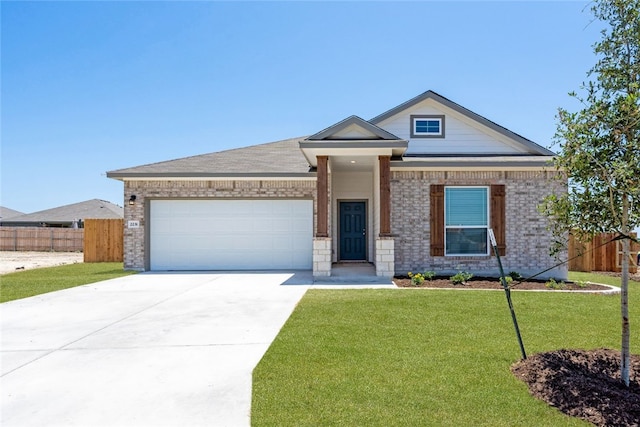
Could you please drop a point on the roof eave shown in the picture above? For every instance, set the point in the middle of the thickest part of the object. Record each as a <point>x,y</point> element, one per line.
<point>313,149</point>
<point>124,176</point>
<point>498,162</point>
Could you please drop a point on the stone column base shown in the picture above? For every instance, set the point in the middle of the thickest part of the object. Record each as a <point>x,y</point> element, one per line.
<point>321,256</point>
<point>385,257</point>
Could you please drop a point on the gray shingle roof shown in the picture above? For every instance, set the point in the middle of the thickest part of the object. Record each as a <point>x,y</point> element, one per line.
<point>8,213</point>
<point>280,158</point>
<point>94,209</point>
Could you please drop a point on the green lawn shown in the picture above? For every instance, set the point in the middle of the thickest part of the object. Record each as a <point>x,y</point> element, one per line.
<point>42,280</point>
<point>413,357</point>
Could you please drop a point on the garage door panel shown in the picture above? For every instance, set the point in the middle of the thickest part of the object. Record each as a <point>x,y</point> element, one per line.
<point>257,208</point>
<point>299,225</point>
<point>278,225</point>
<point>231,234</point>
<point>300,257</point>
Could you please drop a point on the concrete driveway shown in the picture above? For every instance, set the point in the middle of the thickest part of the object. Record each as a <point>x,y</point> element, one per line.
<point>144,350</point>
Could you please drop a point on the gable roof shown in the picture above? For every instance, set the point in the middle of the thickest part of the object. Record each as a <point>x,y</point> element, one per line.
<point>94,209</point>
<point>296,157</point>
<point>375,132</point>
<point>354,136</point>
<point>8,213</point>
<point>535,148</point>
<point>280,158</point>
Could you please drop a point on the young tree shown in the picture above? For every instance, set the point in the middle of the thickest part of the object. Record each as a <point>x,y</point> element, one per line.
<point>600,145</point>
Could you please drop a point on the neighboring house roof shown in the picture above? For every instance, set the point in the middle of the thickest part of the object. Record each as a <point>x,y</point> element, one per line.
<point>280,158</point>
<point>94,209</point>
<point>468,113</point>
<point>6,213</point>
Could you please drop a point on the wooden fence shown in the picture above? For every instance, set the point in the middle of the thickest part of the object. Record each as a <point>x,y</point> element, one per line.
<point>598,255</point>
<point>103,240</point>
<point>41,239</point>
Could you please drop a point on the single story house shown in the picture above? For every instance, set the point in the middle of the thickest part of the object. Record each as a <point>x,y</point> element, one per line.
<point>415,188</point>
<point>67,216</point>
<point>6,213</point>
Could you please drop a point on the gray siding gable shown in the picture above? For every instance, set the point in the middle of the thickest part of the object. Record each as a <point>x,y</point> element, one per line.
<point>353,120</point>
<point>532,146</point>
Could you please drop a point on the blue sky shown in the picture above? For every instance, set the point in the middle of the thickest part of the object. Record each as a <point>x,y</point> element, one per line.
<point>89,87</point>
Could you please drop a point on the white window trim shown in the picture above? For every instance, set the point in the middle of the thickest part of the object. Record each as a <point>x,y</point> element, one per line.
<point>486,227</point>
<point>435,117</point>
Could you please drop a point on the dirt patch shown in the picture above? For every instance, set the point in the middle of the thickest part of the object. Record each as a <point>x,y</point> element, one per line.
<point>493,283</point>
<point>632,276</point>
<point>584,384</point>
<point>18,261</point>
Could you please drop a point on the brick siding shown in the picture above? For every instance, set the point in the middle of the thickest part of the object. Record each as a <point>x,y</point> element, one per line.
<point>527,238</point>
<point>134,239</point>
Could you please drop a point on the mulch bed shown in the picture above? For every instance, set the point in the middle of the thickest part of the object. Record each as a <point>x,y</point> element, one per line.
<point>584,384</point>
<point>492,283</point>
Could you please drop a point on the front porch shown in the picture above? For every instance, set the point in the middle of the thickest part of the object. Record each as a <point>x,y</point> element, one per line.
<point>353,218</point>
<point>353,202</point>
<point>353,221</point>
<point>353,273</point>
<point>325,266</point>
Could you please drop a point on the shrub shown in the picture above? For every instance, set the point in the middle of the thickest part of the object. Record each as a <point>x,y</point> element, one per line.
<point>581,283</point>
<point>460,278</point>
<point>552,284</point>
<point>515,275</point>
<point>417,279</point>
<point>507,279</point>
<point>429,275</point>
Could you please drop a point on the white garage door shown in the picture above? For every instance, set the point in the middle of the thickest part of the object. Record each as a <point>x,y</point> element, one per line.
<point>231,234</point>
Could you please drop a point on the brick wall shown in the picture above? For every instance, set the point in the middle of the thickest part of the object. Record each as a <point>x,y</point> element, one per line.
<point>134,239</point>
<point>527,239</point>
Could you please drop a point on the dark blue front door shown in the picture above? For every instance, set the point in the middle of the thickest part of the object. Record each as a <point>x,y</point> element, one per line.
<point>353,230</point>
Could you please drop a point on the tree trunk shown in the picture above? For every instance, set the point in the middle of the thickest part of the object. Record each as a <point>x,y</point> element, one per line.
<point>624,293</point>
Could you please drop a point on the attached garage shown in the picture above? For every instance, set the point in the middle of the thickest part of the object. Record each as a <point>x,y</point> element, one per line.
<point>230,234</point>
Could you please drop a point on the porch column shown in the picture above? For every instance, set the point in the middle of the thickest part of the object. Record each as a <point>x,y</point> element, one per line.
<point>385,248</point>
<point>323,197</point>
<point>322,241</point>
<point>385,196</point>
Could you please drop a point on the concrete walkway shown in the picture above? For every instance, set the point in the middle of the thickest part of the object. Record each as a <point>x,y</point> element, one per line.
<point>143,350</point>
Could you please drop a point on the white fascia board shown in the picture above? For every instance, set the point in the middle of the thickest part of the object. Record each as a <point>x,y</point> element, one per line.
<point>484,163</point>
<point>326,150</point>
<point>311,176</point>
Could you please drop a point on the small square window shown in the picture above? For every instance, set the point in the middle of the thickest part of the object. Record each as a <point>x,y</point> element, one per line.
<point>427,126</point>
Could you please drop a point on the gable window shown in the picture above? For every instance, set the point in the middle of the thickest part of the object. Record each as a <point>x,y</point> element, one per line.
<point>427,126</point>
<point>466,220</point>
